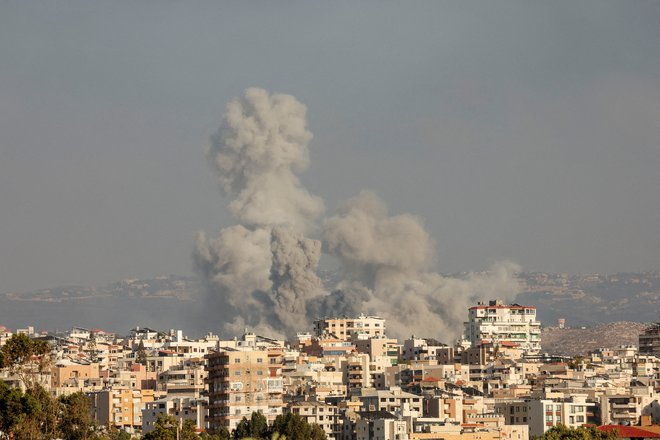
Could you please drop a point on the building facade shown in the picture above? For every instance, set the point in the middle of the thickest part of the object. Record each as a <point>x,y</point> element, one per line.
<point>500,323</point>
<point>243,381</point>
<point>351,328</point>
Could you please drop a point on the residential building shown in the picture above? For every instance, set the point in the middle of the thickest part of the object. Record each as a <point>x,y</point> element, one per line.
<point>649,341</point>
<point>323,414</point>
<point>351,328</point>
<point>120,406</point>
<point>243,381</point>
<point>181,408</point>
<point>497,323</point>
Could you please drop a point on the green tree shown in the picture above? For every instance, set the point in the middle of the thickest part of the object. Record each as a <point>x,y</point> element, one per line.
<point>562,432</point>
<point>11,407</point>
<point>75,421</point>
<point>256,428</point>
<point>220,434</point>
<point>141,354</point>
<point>29,415</point>
<point>165,429</point>
<point>26,358</point>
<point>189,431</point>
<point>242,430</point>
<point>113,433</point>
<point>295,427</point>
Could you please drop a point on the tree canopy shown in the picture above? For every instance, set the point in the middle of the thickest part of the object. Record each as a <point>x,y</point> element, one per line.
<point>26,358</point>
<point>562,432</point>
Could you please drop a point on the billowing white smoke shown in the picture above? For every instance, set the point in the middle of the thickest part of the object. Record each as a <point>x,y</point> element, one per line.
<point>387,258</point>
<point>262,273</point>
<point>256,153</point>
<point>258,274</point>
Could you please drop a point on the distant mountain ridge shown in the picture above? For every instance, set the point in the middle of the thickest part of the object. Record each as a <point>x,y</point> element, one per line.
<point>183,288</point>
<point>582,340</point>
<point>583,300</point>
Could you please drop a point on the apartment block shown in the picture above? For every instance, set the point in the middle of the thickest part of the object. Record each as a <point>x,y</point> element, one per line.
<point>324,415</point>
<point>181,408</point>
<point>649,341</point>
<point>542,414</point>
<point>243,381</point>
<point>351,328</point>
<point>119,406</point>
<point>500,323</point>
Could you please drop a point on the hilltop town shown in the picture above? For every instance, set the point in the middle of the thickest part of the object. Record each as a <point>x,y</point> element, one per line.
<point>345,377</point>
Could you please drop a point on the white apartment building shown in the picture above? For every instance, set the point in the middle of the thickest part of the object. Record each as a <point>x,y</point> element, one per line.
<point>181,408</point>
<point>497,323</point>
<point>542,414</point>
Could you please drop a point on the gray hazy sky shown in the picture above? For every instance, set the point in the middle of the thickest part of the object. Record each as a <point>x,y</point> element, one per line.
<point>522,130</point>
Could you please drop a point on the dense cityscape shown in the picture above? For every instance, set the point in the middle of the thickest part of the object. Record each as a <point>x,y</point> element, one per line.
<point>343,379</point>
<point>263,220</point>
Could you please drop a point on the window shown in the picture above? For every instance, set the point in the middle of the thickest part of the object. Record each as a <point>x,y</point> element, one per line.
<point>237,360</point>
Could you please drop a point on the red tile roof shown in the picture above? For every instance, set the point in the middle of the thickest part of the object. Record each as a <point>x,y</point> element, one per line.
<point>628,431</point>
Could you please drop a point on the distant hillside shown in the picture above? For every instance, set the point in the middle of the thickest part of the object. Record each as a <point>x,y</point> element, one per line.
<point>586,300</point>
<point>176,301</point>
<point>578,341</point>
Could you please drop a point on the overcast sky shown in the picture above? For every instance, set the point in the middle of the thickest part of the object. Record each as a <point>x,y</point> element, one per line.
<point>527,131</point>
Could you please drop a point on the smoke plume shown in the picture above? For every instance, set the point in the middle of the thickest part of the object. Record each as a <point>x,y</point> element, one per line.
<point>258,274</point>
<point>259,148</point>
<point>386,259</point>
<point>261,273</point>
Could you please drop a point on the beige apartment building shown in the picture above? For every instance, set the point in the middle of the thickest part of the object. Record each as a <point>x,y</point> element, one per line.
<point>542,414</point>
<point>68,377</point>
<point>323,414</point>
<point>351,328</point>
<point>120,406</point>
<point>243,381</point>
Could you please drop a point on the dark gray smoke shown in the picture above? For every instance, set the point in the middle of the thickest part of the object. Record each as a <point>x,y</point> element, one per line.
<point>261,273</point>
<point>293,273</point>
<point>386,258</point>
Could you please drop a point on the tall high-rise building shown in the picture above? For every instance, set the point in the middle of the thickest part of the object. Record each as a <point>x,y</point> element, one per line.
<point>649,341</point>
<point>242,381</point>
<point>497,322</point>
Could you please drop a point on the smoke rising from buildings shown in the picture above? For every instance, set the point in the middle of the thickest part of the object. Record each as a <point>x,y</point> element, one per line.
<point>261,273</point>
<point>387,258</point>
